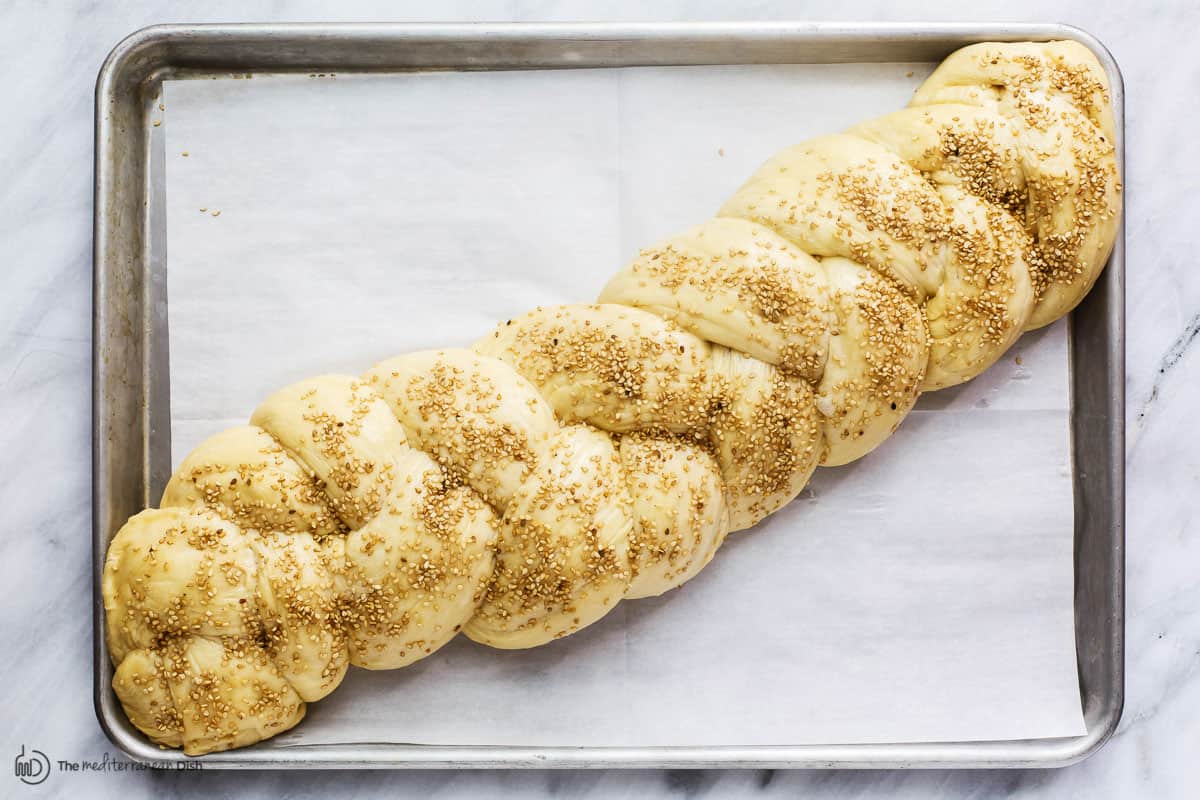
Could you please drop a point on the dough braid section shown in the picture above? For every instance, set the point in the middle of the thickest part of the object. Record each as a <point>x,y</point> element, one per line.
<point>583,454</point>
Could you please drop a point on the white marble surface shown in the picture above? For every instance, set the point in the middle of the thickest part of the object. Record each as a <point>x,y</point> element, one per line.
<point>48,61</point>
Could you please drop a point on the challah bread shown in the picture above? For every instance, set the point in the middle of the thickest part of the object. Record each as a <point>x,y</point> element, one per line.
<point>582,454</point>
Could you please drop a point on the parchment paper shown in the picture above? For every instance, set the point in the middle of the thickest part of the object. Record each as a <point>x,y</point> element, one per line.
<point>319,224</point>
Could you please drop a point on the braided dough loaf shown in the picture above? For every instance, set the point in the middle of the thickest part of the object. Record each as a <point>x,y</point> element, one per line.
<point>583,454</point>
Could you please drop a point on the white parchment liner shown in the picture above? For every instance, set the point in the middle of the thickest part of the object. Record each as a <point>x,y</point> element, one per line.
<point>319,224</point>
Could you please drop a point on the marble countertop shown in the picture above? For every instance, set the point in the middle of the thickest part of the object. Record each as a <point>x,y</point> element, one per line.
<point>48,59</point>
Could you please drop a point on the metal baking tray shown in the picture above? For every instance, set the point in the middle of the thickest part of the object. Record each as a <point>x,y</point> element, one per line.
<point>131,402</point>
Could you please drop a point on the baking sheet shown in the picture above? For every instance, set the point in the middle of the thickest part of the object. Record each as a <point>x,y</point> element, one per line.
<point>321,223</point>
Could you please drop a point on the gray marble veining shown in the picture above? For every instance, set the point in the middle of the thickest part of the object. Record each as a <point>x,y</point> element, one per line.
<point>49,55</point>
